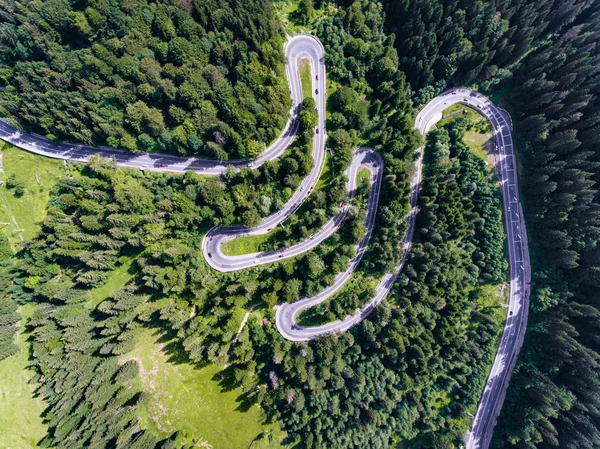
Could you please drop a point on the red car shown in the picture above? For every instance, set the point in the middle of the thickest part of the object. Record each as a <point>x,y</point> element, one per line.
<point>454,93</point>
<point>163,165</point>
<point>317,77</point>
<point>282,250</point>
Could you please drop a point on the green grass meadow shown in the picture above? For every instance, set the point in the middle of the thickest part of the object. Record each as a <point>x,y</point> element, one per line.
<point>193,400</point>
<point>21,425</point>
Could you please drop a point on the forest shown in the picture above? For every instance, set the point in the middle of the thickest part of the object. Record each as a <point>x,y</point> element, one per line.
<point>207,78</point>
<point>188,78</point>
<point>386,380</point>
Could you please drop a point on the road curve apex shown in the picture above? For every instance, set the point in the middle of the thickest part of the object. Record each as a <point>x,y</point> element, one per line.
<point>308,35</point>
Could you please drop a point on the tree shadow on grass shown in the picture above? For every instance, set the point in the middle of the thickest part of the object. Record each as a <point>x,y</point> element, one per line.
<point>172,346</point>
<point>226,379</point>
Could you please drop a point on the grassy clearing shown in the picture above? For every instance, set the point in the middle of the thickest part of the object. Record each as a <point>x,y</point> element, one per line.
<point>364,175</point>
<point>305,78</point>
<point>248,244</point>
<point>479,132</point>
<point>39,174</point>
<point>192,400</point>
<point>285,9</point>
<point>326,174</point>
<point>21,425</point>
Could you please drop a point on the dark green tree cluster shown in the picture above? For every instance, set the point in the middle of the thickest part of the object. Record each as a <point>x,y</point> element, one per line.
<point>554,396</point>
<point>193,78</point>
<point>89,392</point>
<point>419,363</point>
<point>372,105</point>
<point>442,43</point>
<point>16,186</point>
<point>102,218</point>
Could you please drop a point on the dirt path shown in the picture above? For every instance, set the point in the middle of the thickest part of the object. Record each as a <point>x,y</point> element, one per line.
<point>237,336</point>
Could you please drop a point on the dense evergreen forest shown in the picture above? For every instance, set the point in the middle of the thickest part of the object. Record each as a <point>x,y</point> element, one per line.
<point>389,378</point>
<point>555,394</point>
<point>199,78</point>
<point>206,78</point>
<point>443,43</point>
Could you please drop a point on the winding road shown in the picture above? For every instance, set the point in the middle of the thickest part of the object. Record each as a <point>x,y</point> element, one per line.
<point>309,48</point>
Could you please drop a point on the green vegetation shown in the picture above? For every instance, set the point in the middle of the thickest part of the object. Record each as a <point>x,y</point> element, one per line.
<point>191,399</point>
<point>116,280</point>
<point>361,287</point>
<point>430,344</point>
<point>250,243</point>
<point>24,208</point>
<point>445,44</point>
<point>479,133</point>
<point>300,224</point>
<point>21,423</point>
<point>120,252</point>
<point>195,78</point>
<point>305,78</point>
<point>285,12</point>
<point>118,255</point>
<point>326,175</point>
<point>555,390</point>
<point>370,105</point>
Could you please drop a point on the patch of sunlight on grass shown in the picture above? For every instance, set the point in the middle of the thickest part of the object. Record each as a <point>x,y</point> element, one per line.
<point>192,400</point>
<point>21,216</point>
<point>21,425</point>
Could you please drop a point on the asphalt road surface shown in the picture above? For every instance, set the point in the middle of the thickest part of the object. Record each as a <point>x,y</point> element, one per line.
<point>309,48</point>
<point>296,48</point>
<point>520,271</point>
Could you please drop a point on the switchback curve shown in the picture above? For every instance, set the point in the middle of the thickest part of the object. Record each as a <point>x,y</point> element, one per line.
<point>304,46</point>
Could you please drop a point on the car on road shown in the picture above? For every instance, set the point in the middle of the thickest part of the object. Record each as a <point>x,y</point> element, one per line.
<point>278,212</point>
<point>282,250</point>
<point>317,130</point>
<point>162,165</point>
<point>454,93</point>
<point>317,77</point>
<point>510,313</point>
<point>302,189</point>
<point>342,205</point>
<point>317,91</point>
<point>268,229</point>
<point>145,165</point>
<point>210,255</point>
